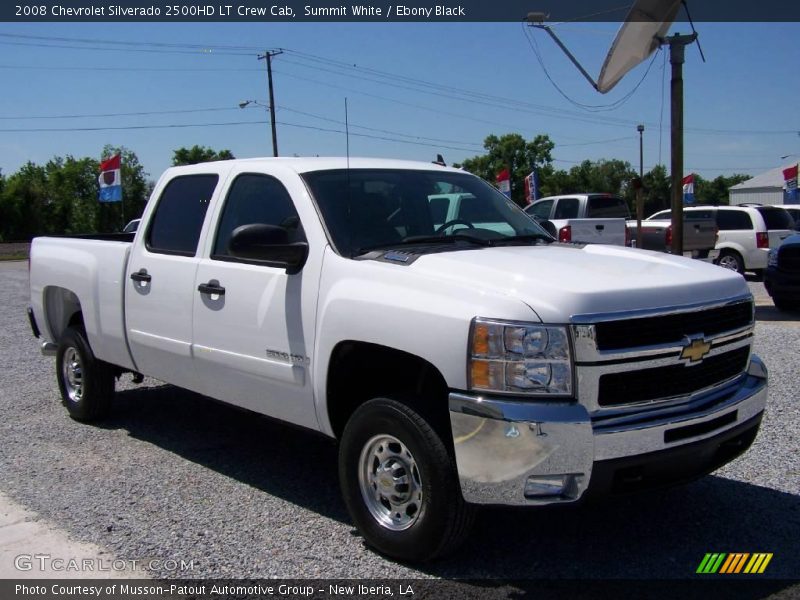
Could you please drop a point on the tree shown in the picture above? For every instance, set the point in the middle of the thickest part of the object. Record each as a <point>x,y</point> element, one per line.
<point>603,176</point>
<point>198,154</point>
<point>715,192</point>
<point>656,190</point>
<point>511,152</point>
<point>24,201</point>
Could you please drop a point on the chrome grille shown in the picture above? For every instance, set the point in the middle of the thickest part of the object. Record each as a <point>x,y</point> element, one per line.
<point>663,329</point>
<point>645,385</point>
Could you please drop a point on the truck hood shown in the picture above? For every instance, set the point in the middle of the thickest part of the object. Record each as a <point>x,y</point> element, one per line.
<point>559,280</point>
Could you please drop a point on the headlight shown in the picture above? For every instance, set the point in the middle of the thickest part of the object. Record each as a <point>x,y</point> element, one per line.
<point>518,358</point>
<point>772,258</point>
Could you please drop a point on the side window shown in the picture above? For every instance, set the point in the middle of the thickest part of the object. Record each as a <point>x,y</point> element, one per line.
<point>664,214</point>
<point>255,198</point>
<point>730,220</point>
<point>178,218</point>
<point>541,209</point>
<point>567,208</point>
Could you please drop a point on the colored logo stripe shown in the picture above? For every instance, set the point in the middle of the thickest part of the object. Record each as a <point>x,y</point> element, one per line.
<point>723,563</point>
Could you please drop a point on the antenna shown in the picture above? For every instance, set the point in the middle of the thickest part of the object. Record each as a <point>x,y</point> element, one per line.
<point>347,179</point>
<point>347,134</point>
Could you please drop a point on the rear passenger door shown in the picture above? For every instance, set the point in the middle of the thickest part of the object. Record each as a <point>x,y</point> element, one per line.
<point>159,284</point>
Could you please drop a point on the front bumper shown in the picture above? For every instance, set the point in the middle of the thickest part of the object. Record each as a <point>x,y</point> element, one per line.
<point>516,452</point>
<point>782,283</point>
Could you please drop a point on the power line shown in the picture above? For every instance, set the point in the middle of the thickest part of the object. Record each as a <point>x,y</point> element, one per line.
<point>125,114</point>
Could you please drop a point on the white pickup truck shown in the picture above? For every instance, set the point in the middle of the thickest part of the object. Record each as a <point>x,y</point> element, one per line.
<point>586,218</point>
<point>456,364</point>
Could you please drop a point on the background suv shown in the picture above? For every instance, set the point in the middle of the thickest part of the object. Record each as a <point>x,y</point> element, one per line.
<point>746,233</point>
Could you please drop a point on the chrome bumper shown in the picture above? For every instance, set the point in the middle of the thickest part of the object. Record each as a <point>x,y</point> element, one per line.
<point>526,452</point>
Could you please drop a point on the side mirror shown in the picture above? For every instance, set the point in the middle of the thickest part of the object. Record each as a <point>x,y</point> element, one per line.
<point>548,227</point>
<point>268,245</point>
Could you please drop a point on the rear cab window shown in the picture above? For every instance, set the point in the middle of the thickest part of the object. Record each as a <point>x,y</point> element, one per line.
<point>567,208</point>
<point>178,218</point>
<point>607,207</point>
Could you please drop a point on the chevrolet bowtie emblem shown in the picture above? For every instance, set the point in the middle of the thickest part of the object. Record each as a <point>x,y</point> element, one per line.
<point>696,350</point>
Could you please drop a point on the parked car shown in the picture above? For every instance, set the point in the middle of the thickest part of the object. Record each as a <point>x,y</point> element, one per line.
<point>456,366</point>
<point>746,233</point>
<point>700,234</point>
<point>782,277</point>
<point>588,218</point>
<point>794,210</point>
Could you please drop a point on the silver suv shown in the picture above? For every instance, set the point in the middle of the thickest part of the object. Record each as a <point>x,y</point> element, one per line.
<point>746,233</point>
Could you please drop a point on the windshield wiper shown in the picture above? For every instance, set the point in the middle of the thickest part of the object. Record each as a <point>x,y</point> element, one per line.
<point>531,237</point>
<point>421,240</point>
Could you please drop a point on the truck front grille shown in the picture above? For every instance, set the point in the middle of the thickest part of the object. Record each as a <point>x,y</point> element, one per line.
<point>789,258</point>
<point>672,328</point>
<point>645,385</point>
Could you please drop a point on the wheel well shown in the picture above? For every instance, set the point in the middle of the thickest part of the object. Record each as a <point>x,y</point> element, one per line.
<point>359,371</point>
<point>62,309</point>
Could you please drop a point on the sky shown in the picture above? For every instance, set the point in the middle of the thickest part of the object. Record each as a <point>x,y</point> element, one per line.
<point>413,90</point>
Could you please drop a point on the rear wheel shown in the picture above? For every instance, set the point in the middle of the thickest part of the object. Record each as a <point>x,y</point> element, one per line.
<point>400,483</point>
<point>730,259</point>
<point>783,304</point>
<point>86,383</point>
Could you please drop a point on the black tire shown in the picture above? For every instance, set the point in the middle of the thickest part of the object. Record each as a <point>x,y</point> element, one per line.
<point>441,520</point>
<point>86,383</point>
<point>730,259</point>
<point>783,304</point>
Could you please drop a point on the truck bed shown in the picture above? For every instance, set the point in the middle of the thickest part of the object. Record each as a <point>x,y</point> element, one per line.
<point>89,270</point>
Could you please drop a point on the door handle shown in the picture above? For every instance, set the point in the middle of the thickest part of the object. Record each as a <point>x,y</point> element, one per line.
<point>141,276</point>
<point>600,227</point>
<point>212,288</point>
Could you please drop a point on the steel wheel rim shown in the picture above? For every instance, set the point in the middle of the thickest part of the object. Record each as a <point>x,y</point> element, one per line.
<point>72,370</point>
<point>390,482</point>
<point>729,262</point>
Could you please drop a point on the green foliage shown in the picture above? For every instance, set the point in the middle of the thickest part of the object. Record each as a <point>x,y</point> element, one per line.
<point>198,154</point>
<point>61,197</point>
<point>511,152</point>
<point>715,192</point>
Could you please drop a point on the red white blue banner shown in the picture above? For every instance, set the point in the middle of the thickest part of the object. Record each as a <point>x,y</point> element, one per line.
<point>532,186</point>
<point>688,189</point>
<point>111,180</point>
<point>790,186</point>
<point>504,182</point>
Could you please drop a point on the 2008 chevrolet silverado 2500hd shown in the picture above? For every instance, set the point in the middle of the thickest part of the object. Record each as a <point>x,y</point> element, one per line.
<point>458,363</point>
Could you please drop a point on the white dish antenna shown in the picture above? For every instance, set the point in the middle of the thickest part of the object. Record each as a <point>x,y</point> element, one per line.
<point>641,34</point>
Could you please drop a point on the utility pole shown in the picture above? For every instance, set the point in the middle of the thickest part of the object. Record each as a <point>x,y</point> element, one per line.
<point>268,56</point>
<point>639,191</point>
<point>677,44</point>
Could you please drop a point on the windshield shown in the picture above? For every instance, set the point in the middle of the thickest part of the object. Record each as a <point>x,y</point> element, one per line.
<point>367,209</point>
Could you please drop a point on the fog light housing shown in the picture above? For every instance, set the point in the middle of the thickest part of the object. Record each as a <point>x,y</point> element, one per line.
<point>551,486</point>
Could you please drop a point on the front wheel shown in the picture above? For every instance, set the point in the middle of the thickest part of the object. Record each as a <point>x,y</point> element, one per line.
<point>86,383</point>
<point>400,483</point>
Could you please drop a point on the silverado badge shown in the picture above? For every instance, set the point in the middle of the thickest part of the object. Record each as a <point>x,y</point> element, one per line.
<point>696,350</point>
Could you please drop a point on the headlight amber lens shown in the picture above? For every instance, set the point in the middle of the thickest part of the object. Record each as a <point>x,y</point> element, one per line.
<point>520,358</point>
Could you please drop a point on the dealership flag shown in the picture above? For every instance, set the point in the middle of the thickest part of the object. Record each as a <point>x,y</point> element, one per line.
<point>504,182</point>
<point>532,186</point>
<point>790,185</point>
<point>110,180</point>
<point>688,189</point>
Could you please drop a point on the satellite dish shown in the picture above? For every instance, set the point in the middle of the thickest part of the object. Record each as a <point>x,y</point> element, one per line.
<point>641,34</point>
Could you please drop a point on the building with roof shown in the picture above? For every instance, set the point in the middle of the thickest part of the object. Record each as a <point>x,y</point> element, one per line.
<point>767,188</point>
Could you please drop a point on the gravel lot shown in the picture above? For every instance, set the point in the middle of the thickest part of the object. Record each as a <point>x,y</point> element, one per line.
<point>173,475</point>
